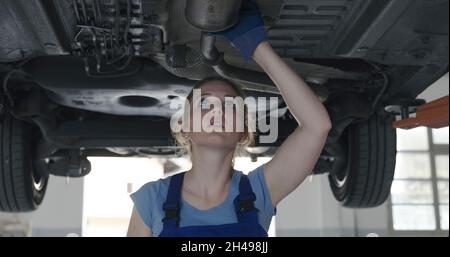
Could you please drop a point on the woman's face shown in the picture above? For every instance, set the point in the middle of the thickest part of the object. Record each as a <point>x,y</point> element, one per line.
<point>219,118</point>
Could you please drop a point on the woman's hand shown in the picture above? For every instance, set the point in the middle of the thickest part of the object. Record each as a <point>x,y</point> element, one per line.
<point>249,32</point>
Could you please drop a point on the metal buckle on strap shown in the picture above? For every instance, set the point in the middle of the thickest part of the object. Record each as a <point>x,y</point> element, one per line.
<point>247,205</point>
<point>172,214</point>
<point>171,211</point>
<point>247,202</point>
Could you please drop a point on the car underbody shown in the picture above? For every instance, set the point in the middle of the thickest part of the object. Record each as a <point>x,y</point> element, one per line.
<point>96,77</point>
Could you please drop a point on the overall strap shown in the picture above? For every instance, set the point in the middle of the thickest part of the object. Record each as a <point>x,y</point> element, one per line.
<point>172,205</point>
<point>244,203</point>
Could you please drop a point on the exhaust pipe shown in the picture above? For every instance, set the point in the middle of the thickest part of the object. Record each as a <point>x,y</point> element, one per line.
<point>218,15</point>
<point>213,15</point>
<point>260,81</point>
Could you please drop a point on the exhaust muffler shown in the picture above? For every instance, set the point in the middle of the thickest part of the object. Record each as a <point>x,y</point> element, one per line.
<point>213,15</point>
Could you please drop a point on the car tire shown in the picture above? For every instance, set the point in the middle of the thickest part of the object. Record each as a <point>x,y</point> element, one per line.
<point>22,189</point>
<point>366,178</point>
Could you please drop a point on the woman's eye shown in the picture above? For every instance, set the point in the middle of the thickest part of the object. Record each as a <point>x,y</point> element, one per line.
<point>205,105</point>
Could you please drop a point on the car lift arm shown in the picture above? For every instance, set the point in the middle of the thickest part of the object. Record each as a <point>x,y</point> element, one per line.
<point>432,115</point>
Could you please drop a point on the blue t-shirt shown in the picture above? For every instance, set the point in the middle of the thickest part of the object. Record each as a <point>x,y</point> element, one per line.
<point>149,199</point>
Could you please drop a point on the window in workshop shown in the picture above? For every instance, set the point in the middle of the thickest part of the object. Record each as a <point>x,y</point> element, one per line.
<point>419,193</point>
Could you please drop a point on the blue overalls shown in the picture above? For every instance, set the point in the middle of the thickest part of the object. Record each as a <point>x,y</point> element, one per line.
<point>247,225</point>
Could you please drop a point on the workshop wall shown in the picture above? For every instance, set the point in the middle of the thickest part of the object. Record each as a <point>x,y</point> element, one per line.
<point>59,215</point>
<point>311,210</point>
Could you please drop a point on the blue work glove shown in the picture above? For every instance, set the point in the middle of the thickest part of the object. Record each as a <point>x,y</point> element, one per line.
<point>249,32</point>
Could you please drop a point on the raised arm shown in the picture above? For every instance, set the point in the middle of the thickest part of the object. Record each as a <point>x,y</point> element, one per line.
<point>298,155</point>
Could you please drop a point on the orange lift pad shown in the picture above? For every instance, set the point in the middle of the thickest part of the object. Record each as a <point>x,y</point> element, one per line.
<point>432,115</point>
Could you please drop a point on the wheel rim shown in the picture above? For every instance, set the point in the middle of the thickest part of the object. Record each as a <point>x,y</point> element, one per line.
<point>38,181</point>
<point>340,178</point>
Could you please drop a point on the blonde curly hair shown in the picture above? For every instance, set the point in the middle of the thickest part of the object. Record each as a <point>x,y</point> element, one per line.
<point>183,141</point>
